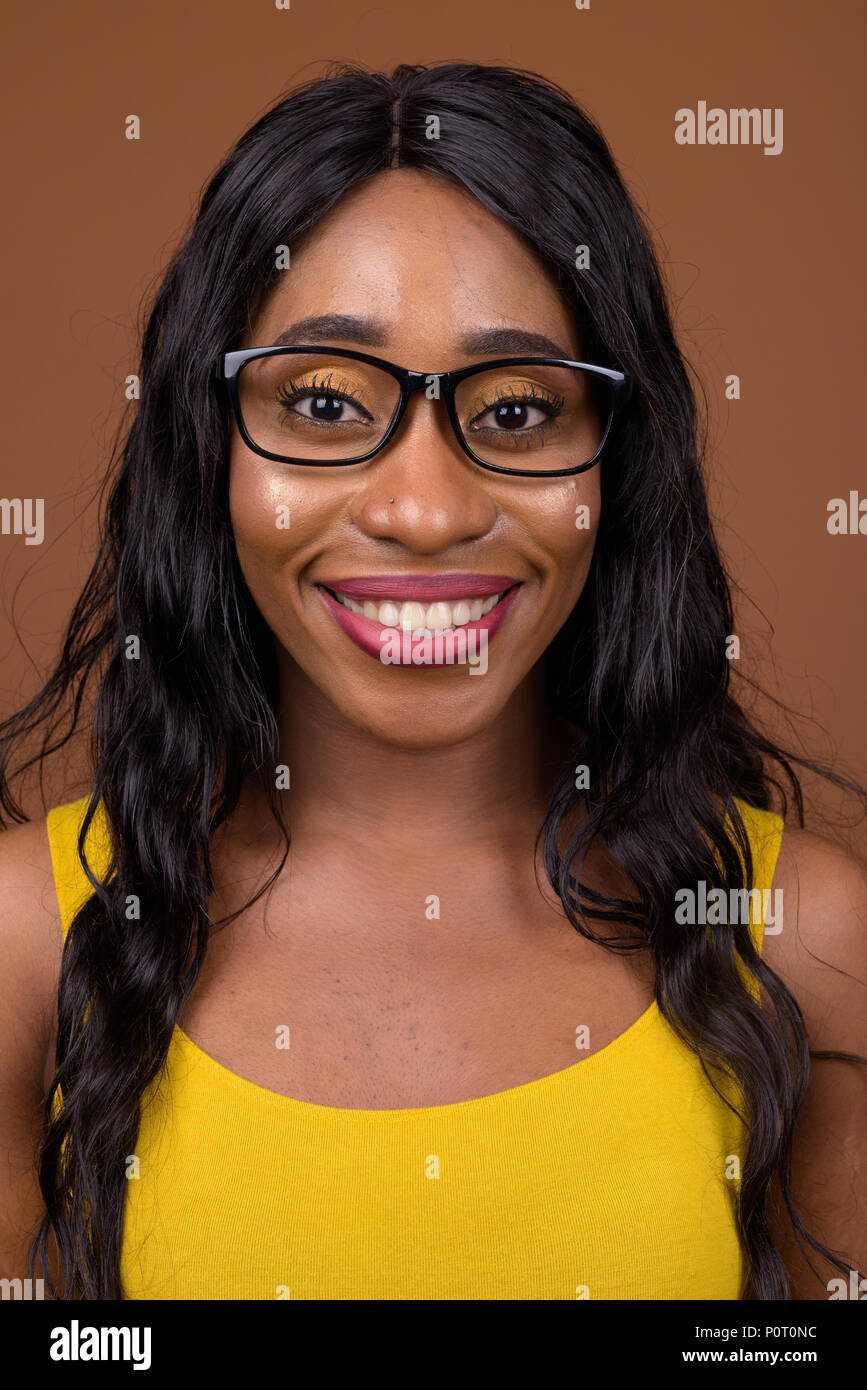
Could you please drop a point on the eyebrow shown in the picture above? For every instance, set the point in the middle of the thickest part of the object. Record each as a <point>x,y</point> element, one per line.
<point>321,328</point>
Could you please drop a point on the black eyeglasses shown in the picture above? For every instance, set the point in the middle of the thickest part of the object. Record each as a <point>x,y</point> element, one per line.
<point>330,407</point>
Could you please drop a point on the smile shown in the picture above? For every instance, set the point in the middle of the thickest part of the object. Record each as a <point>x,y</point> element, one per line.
<point>409,616</point>
<point>470,604</point>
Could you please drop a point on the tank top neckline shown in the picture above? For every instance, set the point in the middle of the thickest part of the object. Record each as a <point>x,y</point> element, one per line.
<point>525,1090</point>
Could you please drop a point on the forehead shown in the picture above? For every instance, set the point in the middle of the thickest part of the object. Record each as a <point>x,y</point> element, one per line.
<point>424,256</point>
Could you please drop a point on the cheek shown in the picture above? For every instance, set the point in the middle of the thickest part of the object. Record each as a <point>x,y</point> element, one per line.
<point>571,526</point>
<point>275,519</point>
<point>256,497</point>
<point>278,521</point>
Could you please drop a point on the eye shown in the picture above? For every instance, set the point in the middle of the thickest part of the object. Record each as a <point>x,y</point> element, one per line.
<point>326,407</point>
<point>511,415</point>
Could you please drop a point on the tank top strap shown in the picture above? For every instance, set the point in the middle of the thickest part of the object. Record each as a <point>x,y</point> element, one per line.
<point>63,824</point>
<point>765,832</point>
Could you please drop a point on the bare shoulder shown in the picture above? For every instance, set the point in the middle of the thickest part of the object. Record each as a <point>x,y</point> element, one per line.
<point>31,935</point>
<point>821,949</point>
<point>31,945</point>
<point>820,953</point>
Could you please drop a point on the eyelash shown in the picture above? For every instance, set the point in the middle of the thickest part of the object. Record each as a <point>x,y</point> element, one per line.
<point>289,393</point>
<point>550,402</point>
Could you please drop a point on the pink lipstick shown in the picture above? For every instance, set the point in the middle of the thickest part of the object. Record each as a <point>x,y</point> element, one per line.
<point>403,603</point>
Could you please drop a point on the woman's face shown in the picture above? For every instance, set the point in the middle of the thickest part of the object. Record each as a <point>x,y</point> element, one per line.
<point>425,266</point>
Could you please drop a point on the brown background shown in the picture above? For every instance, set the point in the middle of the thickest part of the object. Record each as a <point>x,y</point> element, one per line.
<point>763,255</point>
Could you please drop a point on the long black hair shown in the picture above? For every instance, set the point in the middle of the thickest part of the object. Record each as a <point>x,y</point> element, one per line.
<point>640,668</point>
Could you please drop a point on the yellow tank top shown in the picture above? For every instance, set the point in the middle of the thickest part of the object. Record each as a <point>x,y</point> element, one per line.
<point>612,1179</point>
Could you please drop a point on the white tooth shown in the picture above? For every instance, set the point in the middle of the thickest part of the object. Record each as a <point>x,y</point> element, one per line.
<point>488,604</point>
<point>476,607</point>
<point>370,610</point>
<point>461,613</point>
<point>388,614</point>
<point>439,617</point>
<point>412,615</point>
<point>353,606</point>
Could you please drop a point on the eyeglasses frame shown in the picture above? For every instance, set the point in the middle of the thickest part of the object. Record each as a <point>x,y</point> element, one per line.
<point>229,368</point>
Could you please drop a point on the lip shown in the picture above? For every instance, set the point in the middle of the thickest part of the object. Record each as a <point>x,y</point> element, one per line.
<point>365,632</point>
<point>425,588</point>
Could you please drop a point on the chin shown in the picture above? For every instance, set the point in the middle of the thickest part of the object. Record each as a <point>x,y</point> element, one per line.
<point>426,721</point>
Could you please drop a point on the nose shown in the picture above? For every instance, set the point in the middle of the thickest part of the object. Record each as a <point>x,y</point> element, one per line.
<point>441,498</point>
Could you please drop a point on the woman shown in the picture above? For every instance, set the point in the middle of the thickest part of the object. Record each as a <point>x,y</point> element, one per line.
<point>413,709</point>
